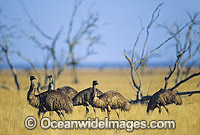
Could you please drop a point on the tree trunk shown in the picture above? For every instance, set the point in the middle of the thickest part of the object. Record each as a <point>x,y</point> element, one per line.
<point>74,72</point>
<point>14,73</point>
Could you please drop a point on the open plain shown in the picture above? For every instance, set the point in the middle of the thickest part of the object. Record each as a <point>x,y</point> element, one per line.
<point>14,107</point>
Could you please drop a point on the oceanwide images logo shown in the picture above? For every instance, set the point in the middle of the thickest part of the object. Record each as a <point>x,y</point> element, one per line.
<point>30,122</point>
<point>129,125</point>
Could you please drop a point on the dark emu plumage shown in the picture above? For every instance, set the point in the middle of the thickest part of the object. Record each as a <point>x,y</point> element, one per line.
<point>162,98</point>
<point>44,88</point>
<point>48,101</point>
<point>66,90</point>
<point>83,97</point>
<point>110,100</point>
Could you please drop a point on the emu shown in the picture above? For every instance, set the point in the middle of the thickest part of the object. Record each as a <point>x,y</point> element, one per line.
<point>83,97</point>
<point>110,100</point>
<point>66,90</point>
<point>49,87</point>
<point>48,101</point>
<point>162,98</point>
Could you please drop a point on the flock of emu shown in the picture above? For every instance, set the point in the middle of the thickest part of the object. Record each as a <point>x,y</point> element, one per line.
<point>64,98</point>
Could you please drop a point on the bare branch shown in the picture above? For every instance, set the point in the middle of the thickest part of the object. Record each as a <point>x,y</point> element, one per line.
<point>132,69</point>
<point>159,46</point>
<point>135,44</point>
<point>188,92</point>
<point>172,70</point>
<point>5,87</point>
<point>131,85</point>
<point>155,16</point>
<point>85,35</point>
<point>186,79</point>
<point>32,22</point>
<point>31,64</point>
<point>5,49</point>
<point>76,6</point>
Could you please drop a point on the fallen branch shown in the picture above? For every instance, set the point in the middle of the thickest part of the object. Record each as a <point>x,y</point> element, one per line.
<point>145,99</point>
<point>5,87</point>
<point>186,79</point>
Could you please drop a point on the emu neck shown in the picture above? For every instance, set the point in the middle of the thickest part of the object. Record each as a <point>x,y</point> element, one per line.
<point>32,99</point>
<point>94,91</point>
<point>50,86</point>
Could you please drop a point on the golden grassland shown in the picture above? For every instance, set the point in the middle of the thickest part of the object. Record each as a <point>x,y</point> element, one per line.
<point>14,107</point>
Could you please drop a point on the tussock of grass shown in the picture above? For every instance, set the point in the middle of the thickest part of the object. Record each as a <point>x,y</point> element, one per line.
<point>14,107</point>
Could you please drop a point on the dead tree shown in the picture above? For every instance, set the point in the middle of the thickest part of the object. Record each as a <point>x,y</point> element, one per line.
<point>5,49</point>
<point>84,36</point>
<point>7,33</point>
<point>166,95</point>
<point>49,48</point>
<point>35,69</point>
<point>135,64</point>
<point>190,41</point>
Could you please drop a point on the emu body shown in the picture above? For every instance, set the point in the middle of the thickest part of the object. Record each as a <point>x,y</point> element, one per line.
<point>83,97</point>
<point>68,91</point>
<point>48,101</point>
<point>110,100</point>
<point>162,98</point>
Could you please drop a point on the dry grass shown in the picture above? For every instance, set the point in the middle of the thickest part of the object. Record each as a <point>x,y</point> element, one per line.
<point>14,107</point>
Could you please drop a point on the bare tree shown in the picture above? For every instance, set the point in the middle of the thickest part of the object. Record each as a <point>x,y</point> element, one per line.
<point>35,69</point>
<point>85,35</point>
<point>49,48</point>
<point>179,56</point>
<point>136,64</point>
<point>190,41</point>
<point>7,32</point>
<point>5,49</point>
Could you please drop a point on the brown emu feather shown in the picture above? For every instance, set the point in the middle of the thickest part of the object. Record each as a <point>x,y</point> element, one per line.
<point>83,98</point>
<point>48,101</point>
<point>111,100</point>
<point>162,98</point>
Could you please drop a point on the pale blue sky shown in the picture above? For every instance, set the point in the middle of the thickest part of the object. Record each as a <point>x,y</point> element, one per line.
<point>119,32</point>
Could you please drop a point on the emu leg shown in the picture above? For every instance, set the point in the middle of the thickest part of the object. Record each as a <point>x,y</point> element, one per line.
<point>117,113</point>
<point>50,114</point>
<point>108,111</point>
<point>166,109</point>
<point>63,115</point>
<point>159,107</point>
<point>94,111</point>
<point>43,114</point>
<point>87,110</point>
<point>39,112</point>
<point>59,114</point>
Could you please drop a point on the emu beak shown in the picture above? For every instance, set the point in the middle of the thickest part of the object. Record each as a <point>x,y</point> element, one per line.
<point>50,76</point>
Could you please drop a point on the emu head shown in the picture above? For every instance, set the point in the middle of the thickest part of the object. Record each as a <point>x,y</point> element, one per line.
<point>93,93</point>
<point>32,78</point>
<point>151,106</point>
<point>50,77</point>
<point>95,83</point>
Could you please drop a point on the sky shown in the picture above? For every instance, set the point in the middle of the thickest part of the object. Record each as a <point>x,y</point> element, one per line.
<point>119,26</point>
